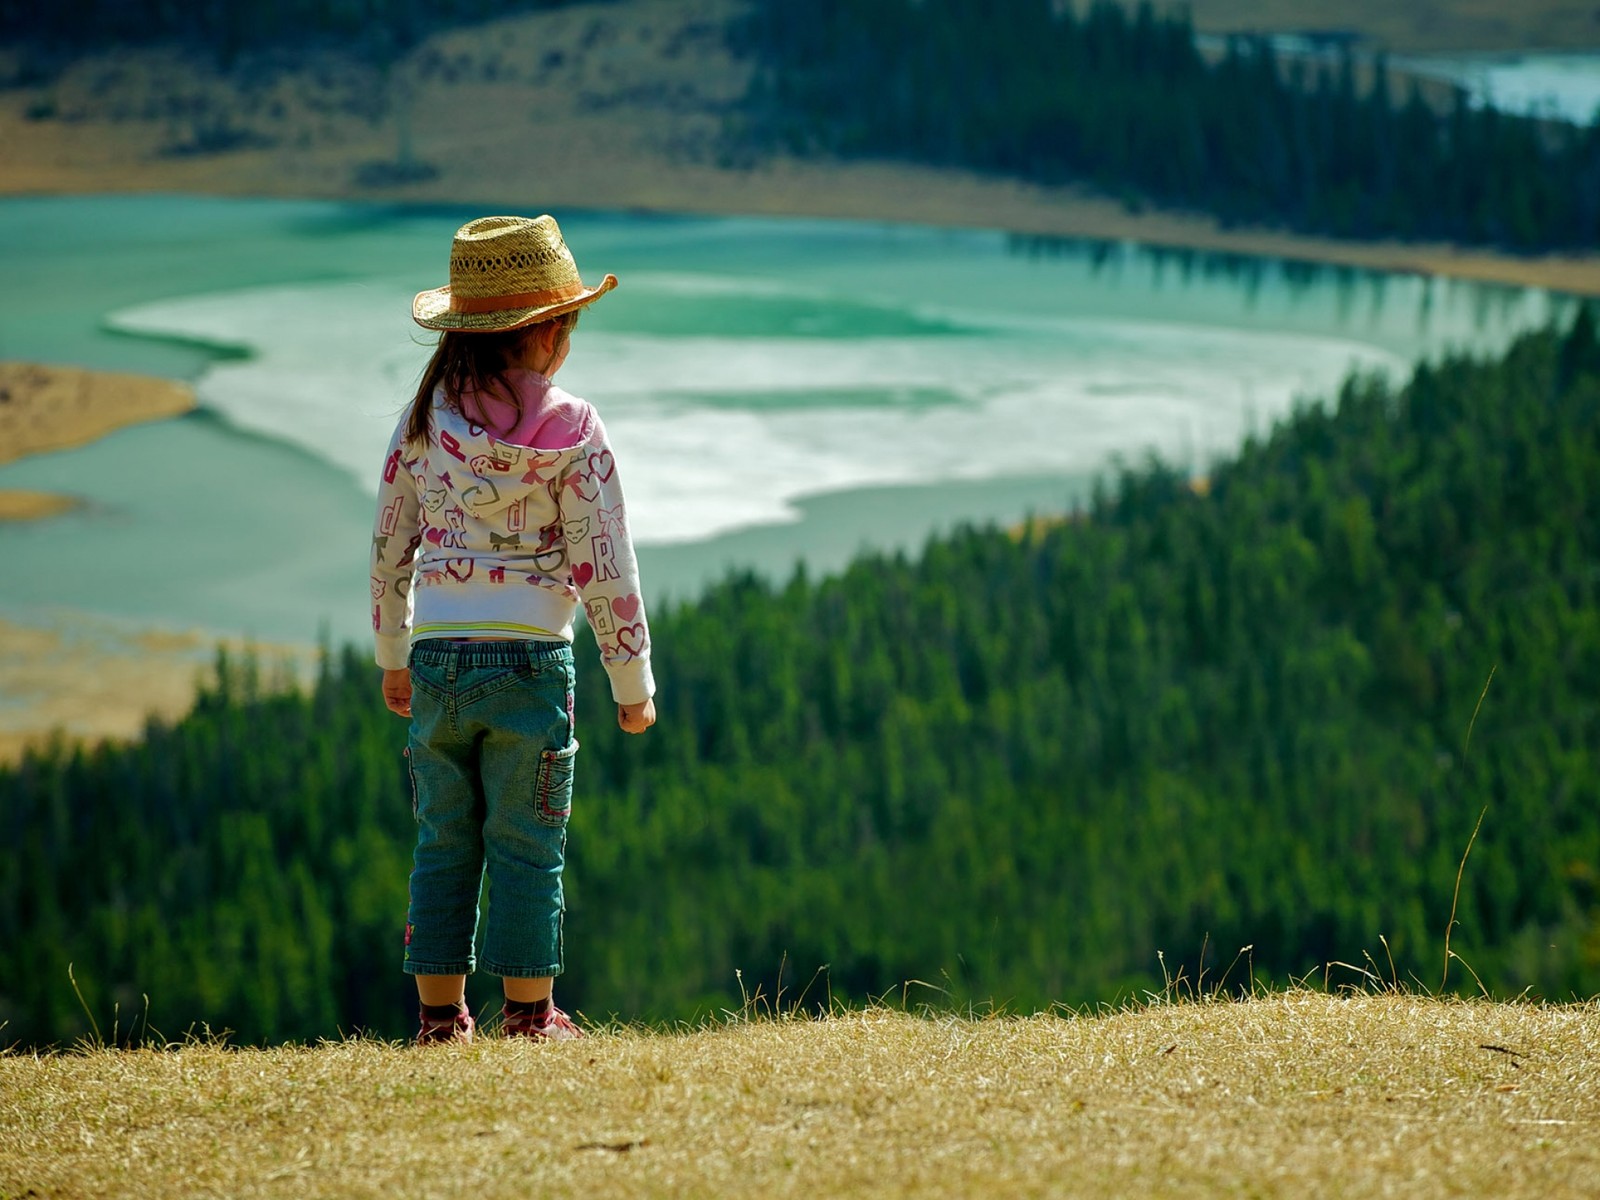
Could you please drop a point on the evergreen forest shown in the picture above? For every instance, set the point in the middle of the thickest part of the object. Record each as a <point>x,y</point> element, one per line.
<point>228,28</point>
<point>1056,93</point>
<point>1056,764</point>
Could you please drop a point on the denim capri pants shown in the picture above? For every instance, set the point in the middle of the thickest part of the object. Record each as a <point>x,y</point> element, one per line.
<point>491,753</point>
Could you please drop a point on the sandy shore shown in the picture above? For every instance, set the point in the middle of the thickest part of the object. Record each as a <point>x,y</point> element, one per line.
<point>90,680</point>
<point>621,106</point>
<point>18,505</point>
<point>54,408</point>
<point>87,679</point>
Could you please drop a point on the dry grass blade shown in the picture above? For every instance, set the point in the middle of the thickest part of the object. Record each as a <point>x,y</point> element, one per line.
<point>1455,897</point>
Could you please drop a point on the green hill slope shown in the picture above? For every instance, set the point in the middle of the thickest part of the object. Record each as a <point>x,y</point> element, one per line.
<point>1021,769</point>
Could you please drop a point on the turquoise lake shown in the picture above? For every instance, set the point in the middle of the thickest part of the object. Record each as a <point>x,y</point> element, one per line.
<point>777,390</point>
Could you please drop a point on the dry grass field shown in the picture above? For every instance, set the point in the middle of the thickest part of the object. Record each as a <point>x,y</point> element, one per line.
<point>1296,1093</point>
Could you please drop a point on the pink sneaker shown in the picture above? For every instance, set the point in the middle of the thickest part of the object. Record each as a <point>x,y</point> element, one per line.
<point>556,1026</point>
<point>437,1031</point>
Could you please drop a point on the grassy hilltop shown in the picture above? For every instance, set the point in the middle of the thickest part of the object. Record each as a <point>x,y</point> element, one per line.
<point>1295,1093</point>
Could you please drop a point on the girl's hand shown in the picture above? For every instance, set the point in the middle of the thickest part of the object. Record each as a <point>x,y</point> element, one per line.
<point>636,718</point>
<point>397,691</point>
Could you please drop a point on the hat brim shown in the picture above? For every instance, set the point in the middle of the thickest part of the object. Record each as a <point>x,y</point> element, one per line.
<point>432,310</point>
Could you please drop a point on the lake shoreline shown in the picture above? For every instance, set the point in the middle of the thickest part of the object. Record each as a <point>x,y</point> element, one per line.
<point>875,191</point>
<point>618,126</point>
<point>45,408</point>
<point>87,680</point>
<point>72,675</point>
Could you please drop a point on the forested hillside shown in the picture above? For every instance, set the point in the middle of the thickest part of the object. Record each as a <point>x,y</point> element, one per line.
<point>1048,92</point>
<point>228,27</point>
<point>1087,93</point>
<point>1018,768</point>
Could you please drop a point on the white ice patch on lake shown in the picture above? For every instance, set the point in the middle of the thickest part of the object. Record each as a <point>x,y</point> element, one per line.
<point>720,432</point>
<point>1566,86</point>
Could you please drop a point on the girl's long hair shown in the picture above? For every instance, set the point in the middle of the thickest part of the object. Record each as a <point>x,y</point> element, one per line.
<point>475,362</point>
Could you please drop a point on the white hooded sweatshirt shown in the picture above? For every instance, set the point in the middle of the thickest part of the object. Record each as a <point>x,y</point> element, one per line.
<point>500,524</point>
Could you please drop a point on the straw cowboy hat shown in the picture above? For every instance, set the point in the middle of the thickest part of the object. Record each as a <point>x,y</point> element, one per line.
<point>506,272</point>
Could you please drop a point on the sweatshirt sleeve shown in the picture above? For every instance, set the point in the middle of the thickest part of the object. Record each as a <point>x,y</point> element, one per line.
<point>604,569</point>
<point>396,534</point>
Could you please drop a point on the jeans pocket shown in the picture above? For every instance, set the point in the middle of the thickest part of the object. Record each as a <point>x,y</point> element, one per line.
<point>553,789</point>
<point>476,684</point>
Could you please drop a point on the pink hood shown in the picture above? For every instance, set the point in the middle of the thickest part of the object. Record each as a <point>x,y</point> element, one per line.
<point>550,419</point>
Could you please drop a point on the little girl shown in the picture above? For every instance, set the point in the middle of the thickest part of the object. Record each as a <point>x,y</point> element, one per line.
<point>500,509</point>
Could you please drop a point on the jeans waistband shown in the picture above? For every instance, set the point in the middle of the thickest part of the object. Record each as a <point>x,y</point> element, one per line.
<point>440,652</point>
